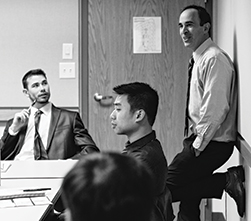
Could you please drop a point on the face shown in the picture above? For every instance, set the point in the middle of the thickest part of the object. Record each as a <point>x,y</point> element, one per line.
<point>192,34</point>
<point>38,89</point>
<point>122,120</point>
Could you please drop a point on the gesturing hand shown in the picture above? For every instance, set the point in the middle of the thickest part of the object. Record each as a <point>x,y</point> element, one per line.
<point>20,119</point>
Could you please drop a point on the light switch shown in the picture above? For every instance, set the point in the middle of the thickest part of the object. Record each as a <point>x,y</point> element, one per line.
<point>67,51</point>
<point>67,70</point>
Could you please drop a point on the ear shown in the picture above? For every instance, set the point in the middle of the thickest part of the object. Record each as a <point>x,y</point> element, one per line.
<point>25,91</point>
<point>140,114</point>
<point>206,27</point>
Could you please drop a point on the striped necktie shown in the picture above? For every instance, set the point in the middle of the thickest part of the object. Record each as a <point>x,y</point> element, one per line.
<point>39,150</point>
<point>190,68</point>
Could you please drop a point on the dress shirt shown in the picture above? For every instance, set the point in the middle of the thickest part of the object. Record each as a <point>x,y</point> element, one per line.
<point>148,150</point>
<point>213,96</point>
<point>27,151</point>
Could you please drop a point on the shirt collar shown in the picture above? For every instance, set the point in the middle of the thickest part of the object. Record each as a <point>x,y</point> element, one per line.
<point>46,109</point>
<point>142,141</point>
<point>201,49</point>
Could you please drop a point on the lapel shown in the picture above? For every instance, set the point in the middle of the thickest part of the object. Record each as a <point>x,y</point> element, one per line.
<point>55,114</point>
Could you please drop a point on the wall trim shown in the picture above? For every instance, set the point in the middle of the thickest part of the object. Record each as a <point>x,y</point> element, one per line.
<point>7,113</point>
<point>244,149</point>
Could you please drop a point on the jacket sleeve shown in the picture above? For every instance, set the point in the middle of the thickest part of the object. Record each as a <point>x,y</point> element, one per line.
<point>8,143</point>
<point>82,138</point>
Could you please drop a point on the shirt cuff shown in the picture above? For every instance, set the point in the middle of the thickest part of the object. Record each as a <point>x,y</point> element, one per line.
<point>11,132</point>
<point>200,143</point>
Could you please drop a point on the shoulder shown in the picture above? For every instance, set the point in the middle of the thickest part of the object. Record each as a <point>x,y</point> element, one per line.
<point>152,150</point>
<point>214,54</point>
<point>64,114</point>
<point>63,111</point>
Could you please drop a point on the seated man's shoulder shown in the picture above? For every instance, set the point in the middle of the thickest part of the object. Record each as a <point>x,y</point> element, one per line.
<point>68,111</point>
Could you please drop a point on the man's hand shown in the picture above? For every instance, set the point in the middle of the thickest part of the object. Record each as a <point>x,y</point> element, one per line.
<point>20,119</point>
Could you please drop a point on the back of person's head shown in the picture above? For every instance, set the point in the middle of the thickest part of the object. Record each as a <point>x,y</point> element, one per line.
<point>108,187</point>
<point>31,73</point>
<point>203,15</point>
<point>140,96</point>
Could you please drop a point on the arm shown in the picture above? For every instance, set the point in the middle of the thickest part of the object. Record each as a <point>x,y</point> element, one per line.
<point>7,142</point>
<point>216,83</point>
<point>82,138</point>
<point>10,137</point>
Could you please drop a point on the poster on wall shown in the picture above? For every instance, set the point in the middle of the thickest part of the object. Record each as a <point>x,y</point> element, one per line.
<point>146,35</point>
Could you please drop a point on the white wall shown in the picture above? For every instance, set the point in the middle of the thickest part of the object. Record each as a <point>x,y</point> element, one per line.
<point>232,31</point>
<point>32,34</point>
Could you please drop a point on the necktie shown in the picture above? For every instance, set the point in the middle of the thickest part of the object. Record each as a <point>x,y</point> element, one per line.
<point>124,151</point>
<point>190,68</point>
<point>39,150</point>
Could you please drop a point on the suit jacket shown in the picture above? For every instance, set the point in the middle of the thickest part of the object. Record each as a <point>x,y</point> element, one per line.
<point>68,137</point>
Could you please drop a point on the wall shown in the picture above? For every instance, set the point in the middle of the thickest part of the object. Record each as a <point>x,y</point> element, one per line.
<point>232,33</point>
<point>32,34</point>
<point>112,62</point>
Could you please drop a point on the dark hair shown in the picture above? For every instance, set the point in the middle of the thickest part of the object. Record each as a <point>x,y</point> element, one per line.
<point>140,96</point>
<point>31,73</point>
<point>203,15</point>
<point>109,186</point>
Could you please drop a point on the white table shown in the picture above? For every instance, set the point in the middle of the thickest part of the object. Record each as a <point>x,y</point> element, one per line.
<point>34,174</point>
<point>37,169</point>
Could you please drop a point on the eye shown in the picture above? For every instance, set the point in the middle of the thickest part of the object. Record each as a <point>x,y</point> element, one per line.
<point>117,108</point>
<point>35,85</point>
<point>44,82</point>
<point>189,25</point>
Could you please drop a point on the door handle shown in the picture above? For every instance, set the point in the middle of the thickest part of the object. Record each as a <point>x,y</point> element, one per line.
<point>98,97</point>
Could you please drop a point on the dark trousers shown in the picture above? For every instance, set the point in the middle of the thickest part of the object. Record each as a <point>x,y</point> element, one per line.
<point>191,178</point>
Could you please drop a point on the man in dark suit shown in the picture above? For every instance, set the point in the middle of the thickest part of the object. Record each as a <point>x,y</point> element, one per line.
<point>62,132</point>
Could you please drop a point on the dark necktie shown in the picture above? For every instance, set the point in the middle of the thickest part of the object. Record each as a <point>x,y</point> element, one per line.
<point>39,150</point>
<point>124,151</point>
<point>190,68</point>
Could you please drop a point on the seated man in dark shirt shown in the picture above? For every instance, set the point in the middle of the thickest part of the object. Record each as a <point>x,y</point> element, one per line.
<point>134,113</point>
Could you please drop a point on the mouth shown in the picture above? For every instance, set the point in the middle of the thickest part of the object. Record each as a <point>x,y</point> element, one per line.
<point>43,95</point>
<point>186,39</point>
<point>113,125</point>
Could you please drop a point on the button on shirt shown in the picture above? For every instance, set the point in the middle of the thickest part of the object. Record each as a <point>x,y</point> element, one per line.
<point>27,152</point>
<point>213,96</point>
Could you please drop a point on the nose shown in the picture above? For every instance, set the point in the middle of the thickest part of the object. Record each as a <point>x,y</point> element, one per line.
<point>42,87</point>
<point>183,30</point>
<point>112,115</point>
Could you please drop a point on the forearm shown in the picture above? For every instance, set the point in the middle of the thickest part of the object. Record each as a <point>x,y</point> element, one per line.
<point>86,150</point>
<point>83,139</point>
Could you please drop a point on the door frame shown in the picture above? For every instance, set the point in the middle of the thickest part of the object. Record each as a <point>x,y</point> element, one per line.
<point>83,61</point>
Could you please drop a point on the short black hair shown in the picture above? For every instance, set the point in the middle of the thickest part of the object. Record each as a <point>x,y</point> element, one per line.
<point>32,73</point>
<point>109,186</point>
<point>140,96</point>
<point>203,15</point>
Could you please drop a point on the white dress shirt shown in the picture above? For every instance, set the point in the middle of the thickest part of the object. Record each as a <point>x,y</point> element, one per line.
<point>27,152</point>
<point>213,96</point>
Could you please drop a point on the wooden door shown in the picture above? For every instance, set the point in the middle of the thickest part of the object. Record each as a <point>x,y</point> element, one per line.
<point>112,62</point>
